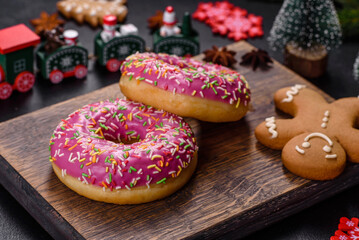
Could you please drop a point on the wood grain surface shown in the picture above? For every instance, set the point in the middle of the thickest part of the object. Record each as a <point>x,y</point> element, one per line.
<point>239,186</point>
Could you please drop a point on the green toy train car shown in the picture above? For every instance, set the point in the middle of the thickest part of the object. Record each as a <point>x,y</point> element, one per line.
<point>66,61</point>
<point>16,59</point>
<point>112,53</point>
<point>184,44</point>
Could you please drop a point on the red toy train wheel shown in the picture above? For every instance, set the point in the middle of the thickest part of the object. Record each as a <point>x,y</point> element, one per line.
<point>24,81</point>
<point>5,90</point>
<point>56,76</point>
<point>2,74</point>
<point>80,71</point>
<point>113,65</point>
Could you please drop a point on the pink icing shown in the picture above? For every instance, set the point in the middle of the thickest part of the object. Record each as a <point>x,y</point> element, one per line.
<point>84,145</point>
<point>187,76</point>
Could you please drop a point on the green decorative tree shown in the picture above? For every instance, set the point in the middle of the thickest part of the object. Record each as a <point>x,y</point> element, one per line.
<point>307,24</point>
<point>356,68</point>
<point>306,30</point>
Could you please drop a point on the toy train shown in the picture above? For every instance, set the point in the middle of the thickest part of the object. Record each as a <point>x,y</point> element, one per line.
<point>16,59</point>
<point>66,61</point>
<point>112,46</point>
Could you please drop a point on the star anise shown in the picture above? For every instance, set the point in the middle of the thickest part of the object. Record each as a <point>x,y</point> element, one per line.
<point>46,22</point>
<point>257,58</point>
<point>155,22</point>
<point>220,56</point>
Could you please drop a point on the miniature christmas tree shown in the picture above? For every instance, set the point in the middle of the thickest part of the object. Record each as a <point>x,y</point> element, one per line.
<point>307,23</point>
<point>306,30</point>
<point>356,68</point>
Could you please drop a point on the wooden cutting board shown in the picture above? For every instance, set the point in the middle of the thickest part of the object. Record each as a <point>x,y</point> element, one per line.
<point>239,186</point>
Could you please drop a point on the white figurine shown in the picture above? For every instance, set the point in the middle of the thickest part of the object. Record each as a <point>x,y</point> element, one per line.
<point>109,28</point>
<point>128,29</point>
<point>70,37</point>
<point>169,27</point>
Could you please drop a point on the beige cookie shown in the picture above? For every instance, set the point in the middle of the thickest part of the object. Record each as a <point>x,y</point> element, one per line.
<point>92,11</point>
<point>311,113</point>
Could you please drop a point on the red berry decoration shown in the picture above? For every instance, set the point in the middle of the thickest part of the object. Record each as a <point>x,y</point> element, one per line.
<point>226,19</point>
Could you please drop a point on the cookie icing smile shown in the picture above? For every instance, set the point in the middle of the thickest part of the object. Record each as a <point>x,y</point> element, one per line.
<point>326,148</point>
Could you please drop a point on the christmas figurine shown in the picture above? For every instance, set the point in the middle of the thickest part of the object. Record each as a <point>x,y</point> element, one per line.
<point>109,28</point>
<point>16,59</point>
<point>71,37</point>
<point>306,31</point>
<point>179,40</point>
<point>115,43</point>
<point>169,27</point>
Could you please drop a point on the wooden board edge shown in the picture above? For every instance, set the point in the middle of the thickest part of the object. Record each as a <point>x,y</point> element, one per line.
<point>35,204</point>
<point>259,217</point>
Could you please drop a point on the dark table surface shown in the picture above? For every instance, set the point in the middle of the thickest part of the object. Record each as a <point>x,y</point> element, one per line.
<point>317,222</point>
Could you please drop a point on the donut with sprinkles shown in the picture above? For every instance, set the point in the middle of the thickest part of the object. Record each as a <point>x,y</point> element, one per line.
<point>186,87</point>
<point>123,152</point>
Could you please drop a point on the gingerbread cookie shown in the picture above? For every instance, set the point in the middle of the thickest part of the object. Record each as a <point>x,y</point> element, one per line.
<point>92,11</point>
<point>320,136</point>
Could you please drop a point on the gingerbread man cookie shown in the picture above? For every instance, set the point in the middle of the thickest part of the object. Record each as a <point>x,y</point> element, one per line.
<point>319,137</point>
<point>92,11</point>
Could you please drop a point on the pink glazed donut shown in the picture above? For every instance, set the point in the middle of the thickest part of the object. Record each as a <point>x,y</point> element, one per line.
<point>186,87</point>
<point>123,152</point>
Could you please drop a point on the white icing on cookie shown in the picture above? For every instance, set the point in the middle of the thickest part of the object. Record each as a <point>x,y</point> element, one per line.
<point>326,148</point>
<point>325,119</point>
<point>320,135</point>
<point>301,151</point>
<point>79,9</point>
<point>271,125</point>
<point>293,91</point>
<point>68,8</point>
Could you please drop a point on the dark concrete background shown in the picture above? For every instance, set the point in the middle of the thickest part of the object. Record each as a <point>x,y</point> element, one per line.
<point>317,222</point>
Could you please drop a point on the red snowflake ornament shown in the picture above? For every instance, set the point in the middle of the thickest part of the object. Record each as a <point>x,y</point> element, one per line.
<point>339,235</point>
<point>239,12</point>
<point>355,231</point>
<point>255,20</point>
<point>201,12</point>
<point>255,32</point>
<point>224,5</point>
<point>348,225</point>
<point>347,229</point>
<point>217,15</point>
<point>238,27</point>
<point>220,29</point>
<point>200,15</point>
<point>237,35</point>
<point>226,19</point>
<point>205,6</point>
